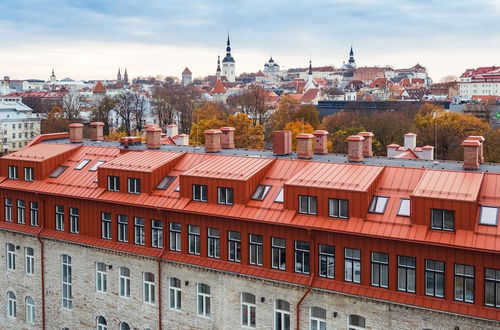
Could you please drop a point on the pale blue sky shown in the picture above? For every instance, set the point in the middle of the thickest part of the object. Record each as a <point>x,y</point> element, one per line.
<point>86,39</point>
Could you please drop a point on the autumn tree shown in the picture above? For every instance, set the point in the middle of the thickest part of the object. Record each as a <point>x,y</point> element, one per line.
<point>103,111</point>
<point>338,139</point>
<point>284,113</point>
<point>55,122</point>
<point>297,127</point>
<point>246,134</point>
<point>492,146</point>
<point>254,102</point>
<point>211,110</point>
<point>198,128</point>
<point>307,113</point>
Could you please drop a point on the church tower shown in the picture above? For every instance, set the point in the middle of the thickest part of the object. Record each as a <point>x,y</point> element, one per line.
<point>352,62</point>
<point>310,82</point>
<point>125,77</point>
<point>119,76</point>
<point>228,69</point>
<point>53,77</point>
<point>218,72</point>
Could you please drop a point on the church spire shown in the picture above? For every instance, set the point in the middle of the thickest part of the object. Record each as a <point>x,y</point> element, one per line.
<point>310,68</point>
<point>119,75</point>
<point>228,48</point>
<point>125,76</point>
<point>352,62</point>
<point>218,72</point>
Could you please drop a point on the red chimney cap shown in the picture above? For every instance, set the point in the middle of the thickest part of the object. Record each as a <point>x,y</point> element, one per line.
<point>213,131</point>
<point>320,132</point>
<point>428,147</point>
<point>393,145</point>
<point>153,129</point>
<point>228,129</point>
<point>410,134</point>
<point>305,136</point>
<point>76,125</point>
<point>471,143</point>
<point>96,123</point>
<point>476,138</point>
<point>355,138</point>
<point>368,134</point>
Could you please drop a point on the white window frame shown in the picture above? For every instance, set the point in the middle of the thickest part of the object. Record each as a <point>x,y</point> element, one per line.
<point>488,222</point>
<point>464,274</point>
<point>122,221</point>
<point>339,203</point>
<point>59,217</point>
<point>11,304</point>
<point>311,206</point>
<point>74,220</point>
<point>156,233</point>
<point>248,308</point>
<point>436,273</point>
<point>351,326</point>
<point>139,231</point>
<point>8,209</point>
<point>101,277</point>
<point>101,323</point>
<point>13,172</point>
<point>124,282</point>
<point>29,174</point>
<point>134,185</point>
<point>282,314</point>
<point>66,289</point>
<point>11,256</point>
<point>34,214</point>
<point>30,309</point>
<point>380,268</point>
<point>407,277</point>
<point>29,260</point>
<point>175,230</point>
<point>106,225</point>
<point>327,259</point>
<point>113,183</point>
<point>203,193</point>
<point>225,195</point>
<point>280,251</point>
<point>402,204</point>
<point>441,219</point>
<point>148,292</point>
<point>234,246</point>
<point>351,264</point>
<point>194,239</point>
<point>203,300</point>
<point>174,294</point>
<point>256,247</point>
<point>21,211</point>
<point>317,322</point>
<point>213,242</point>
<point>378,204</point>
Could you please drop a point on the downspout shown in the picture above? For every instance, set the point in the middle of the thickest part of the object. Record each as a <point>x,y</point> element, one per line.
<point>160,255</point>
<point>311,279</point>
<point>42,257</point>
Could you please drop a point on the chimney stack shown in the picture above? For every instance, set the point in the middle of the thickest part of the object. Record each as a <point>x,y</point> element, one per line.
<point>305,145</point>
<point>75,133</point>
<point>227,138</point>
<point>172,130</point>
<point>153,137</point>
<point>282,142</point>
<point>481,141</point>
<point>181,140</point>
<point>355,148</point>
<point>213,140</point>
<point>427,153</point>
<point>96,131</point>
<point>367,143</point>
<point>471,154</point>
<point>392,150</point>
<point>320,143</point>
<point>410,141</point>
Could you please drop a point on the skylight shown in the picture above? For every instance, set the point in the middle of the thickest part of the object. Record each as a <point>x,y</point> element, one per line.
<point>378,204</point>
<point>178,188</point>
<point>165,182</point>
<point>58,171</point>
<point>404,207</point>
<point>82,164</point>
<point>488,216</point>
<point>261,192</point>
<point>279,198</point>
<point>96,165</point>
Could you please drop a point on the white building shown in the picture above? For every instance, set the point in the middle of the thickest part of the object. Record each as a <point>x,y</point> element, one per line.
<point>228,64</point>
<point>480,81</point>
<point>18,123</point>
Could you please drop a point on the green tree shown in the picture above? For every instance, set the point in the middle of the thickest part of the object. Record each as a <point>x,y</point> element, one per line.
<point>198,128</point>
<point>55,122</point>
<point>284,113</point>
<point>308,114</point>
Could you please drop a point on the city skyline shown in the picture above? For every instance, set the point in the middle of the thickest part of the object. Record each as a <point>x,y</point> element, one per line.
<point>91,40</point>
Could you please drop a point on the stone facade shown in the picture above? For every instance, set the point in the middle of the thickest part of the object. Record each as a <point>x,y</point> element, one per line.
<point>225,293</point>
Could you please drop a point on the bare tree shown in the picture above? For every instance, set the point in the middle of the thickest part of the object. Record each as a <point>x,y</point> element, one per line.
<point>125,110</point>
<point>139,109</point>
<point>71,106</point>
<point>255,103</point>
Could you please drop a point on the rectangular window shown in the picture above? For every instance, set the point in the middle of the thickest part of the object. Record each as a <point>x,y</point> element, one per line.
<point>11,256</point>
<point>34,213</point>
<point>492,287</point>
<point>157,233</point>
<point>122,228</point>
<point>58,171</point>
<point>149,288</point>
<point>29,261</point>
<point>67,294</point>
<point>8,209</point>
<point>29,174</point>
<point>442,219</point>
<point>174,293</point>
<point>352,265</point>
<point>139,233</point>
<point>113,183</point>
<point>134,185</point>
<point>256,242</point>
<point>96,166</point>
<point>234,246</point>
<point>380,269</point>
<point>307,204</point>
<point>213,243</point>
<point>434,278</point>
<point>59,217</point>
<point>101,277</point>
<point>464,283</point>
<point>378,204</point>
<point>74,220</point>
<point>194,239</point>
<point>326,261</point>
<point>278,251</point>
<point>82,164</point>
<point>106,225</point>
<point>280,197</point>
<point>21,212</point>
<point>203,299</point>
<point>302,257</point>
<point>175,236</point>
<point>165,182</point>
<point>248,310</point>
<point>124,282</point>
<point>338,208</point>
<point>488,215</point>
<point>404,207</point>
<point>200,192</point>
<point>406,273</point>
<point>13,172</point>
<point>261,192</point>
<point>225,195</point>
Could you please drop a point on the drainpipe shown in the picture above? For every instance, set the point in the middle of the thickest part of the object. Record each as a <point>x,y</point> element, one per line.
<point>311,278</point>
<point>42,257</point>
<point>160,256</point>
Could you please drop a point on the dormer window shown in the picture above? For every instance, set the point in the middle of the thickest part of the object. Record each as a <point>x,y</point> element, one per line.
<point>225,195</point>
<point>308,205</point>
<point>134,185</point>
<point>29,174</point>
<point>378,204</point>
<point>113,183</point>
<point>261,192</point>
<point>165,182</point>
<point>488,215</point>
<point>442,219</point>
<point>404,207</point>
<point>200,192</point>
<point>338,208</point>
<point>13,172</point>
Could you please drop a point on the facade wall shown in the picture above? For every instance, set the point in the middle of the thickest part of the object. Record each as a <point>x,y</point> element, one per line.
<point>226,289</point>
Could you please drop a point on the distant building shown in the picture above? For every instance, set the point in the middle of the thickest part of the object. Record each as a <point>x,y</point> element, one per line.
<point>53,78</point>
<point>271,68</point>
<point>480,81</point>
<point>187,77</point>
<point>18,123</point>
<point>40,102</point>
<point>119,76</point>
<point>125,77</point>
<point>228,64</point>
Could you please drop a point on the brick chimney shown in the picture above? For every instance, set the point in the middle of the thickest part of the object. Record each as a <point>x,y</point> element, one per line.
<point>76,132</point>
<point>320,142</point>
<point>213,140</point>
<point>172,130</point>
<point>481,140</point>
<point>471,154</point>
<point>355,148</point>
<point>282,142</point>
<point>305,145</point>
<point>96,131</point>
<point>410,141</point>
<point>153,137</point>
<point>367,143</point>
<point>227,138</point>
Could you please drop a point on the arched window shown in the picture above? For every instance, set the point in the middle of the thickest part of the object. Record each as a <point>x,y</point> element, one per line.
<point>356,322</point>
<point>124,326</point>
<point>11,304</point>
<point>101,323</point>
<point>30,310</point>
<point>203,299</point>
<point>248,310</point>
<point>318,318</point>
<point>281,315</point>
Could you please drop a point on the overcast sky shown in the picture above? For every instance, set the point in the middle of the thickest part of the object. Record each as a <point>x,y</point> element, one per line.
<point>90,39</point>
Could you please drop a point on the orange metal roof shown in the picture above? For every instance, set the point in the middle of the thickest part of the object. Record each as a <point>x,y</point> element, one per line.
<point>460,186</point>
<point>41,152</point>
<point>142,161</point>
<point>336,176</point>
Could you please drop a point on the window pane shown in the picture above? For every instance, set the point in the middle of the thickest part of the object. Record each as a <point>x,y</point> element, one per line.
<point>404,208</point>
<point>489,215</point>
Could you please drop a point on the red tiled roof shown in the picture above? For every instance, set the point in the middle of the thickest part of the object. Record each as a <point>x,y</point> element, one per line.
<point>218,88</point>
<point>99,88</point>
<point>229,167</point>
<point>462,186</point>
<point>310,95</point>
<point>186,71</point>
<point>141,161</point>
